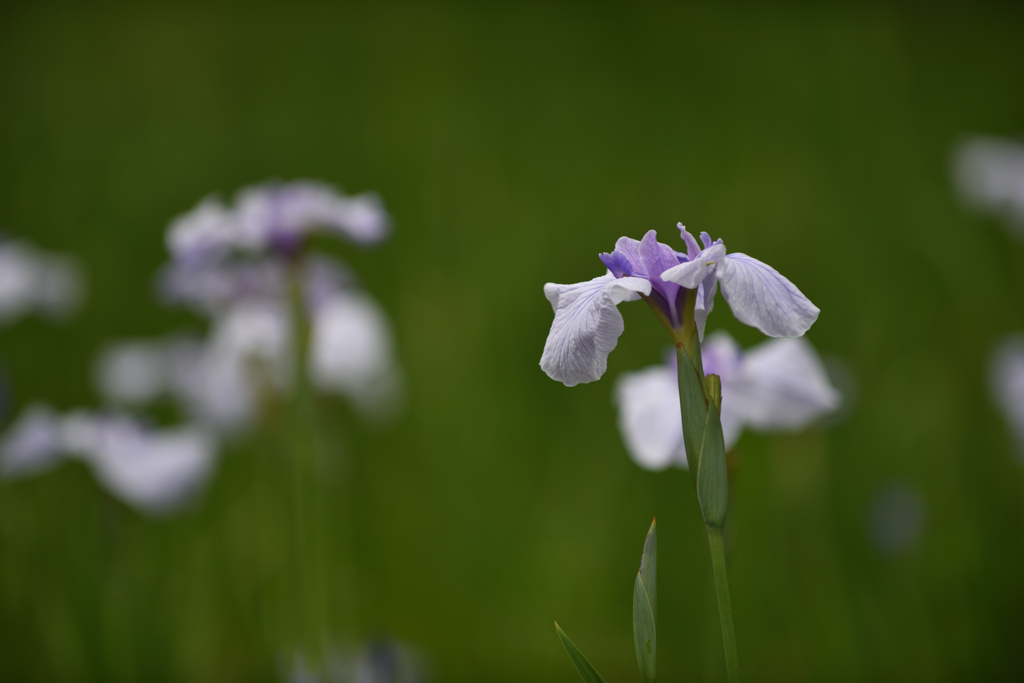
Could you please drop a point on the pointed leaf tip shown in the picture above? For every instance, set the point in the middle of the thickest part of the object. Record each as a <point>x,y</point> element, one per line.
<point>583,666</point>
<point>645,602</point>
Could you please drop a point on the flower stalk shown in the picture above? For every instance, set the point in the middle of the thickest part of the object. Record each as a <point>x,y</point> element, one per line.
<point>700,400</point>
<point>308,576</point>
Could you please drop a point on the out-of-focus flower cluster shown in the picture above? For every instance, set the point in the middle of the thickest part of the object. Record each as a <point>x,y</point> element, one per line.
<point>247,268</point>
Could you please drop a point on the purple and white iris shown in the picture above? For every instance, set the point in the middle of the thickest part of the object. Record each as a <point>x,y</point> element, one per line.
<point>587,322</point>
<point>778,385</point>
<point>276,216</point>
<point>242,264</point>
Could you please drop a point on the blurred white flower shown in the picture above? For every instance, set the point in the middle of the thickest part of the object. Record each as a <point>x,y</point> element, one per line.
<point>989,175</point>
<point>778,385</point>
<point>1006,383</point>
<point>351,352</point>
<point>32,444</point>
<point>154,470</point>
<point>32,280</point>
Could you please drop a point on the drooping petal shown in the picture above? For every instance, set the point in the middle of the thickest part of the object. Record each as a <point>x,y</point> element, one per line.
<point>759,296</point>
<point>781,384</point>
<point>587,326</point>
<point>649,419</point>
<point>153,471</point>
<point>693,272</point>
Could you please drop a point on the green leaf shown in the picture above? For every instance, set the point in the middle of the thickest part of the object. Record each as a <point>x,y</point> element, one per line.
<point>645,605</point>
<point>586,670</point>
<point>694,406</point>
<point>712,474</point>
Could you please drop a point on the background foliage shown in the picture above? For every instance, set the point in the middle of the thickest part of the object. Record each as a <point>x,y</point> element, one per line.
<point>512,144</point>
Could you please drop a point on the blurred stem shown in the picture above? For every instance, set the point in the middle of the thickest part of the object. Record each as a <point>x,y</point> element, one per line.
<point>309,575</point>
<point>732,660</point>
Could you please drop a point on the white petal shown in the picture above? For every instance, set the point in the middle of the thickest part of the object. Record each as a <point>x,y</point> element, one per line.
<point>206,231</point>
<point>154,471</point>
<point>131,372</point>
<point>781,385</point>
<point>260,332</point>
<point>759,296</point>
<point>351,351</point>
<point>692,273</point>
<point>587,326</point>
<point>1006,382</point>
<point>649,419</point>
<point>32,444</point>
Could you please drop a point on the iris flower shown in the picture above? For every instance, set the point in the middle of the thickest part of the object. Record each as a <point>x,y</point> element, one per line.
<point>778,385</point>
<point>588,324</point>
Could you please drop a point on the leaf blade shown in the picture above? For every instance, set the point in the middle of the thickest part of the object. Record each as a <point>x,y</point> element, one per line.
<point>583,666</point>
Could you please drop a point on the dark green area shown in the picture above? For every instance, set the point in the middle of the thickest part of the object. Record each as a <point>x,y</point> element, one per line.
<point>512,145</point>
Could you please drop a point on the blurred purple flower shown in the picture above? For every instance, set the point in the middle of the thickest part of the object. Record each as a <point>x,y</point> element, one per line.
<point>587,322</point>
<point>778,385</point>
<point>276,217</point>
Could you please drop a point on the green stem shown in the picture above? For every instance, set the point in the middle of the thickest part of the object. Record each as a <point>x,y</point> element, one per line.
<point>732,660</point>
<point>306,504</point>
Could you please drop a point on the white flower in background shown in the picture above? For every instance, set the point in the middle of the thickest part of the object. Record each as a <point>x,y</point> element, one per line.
<point>1006,383</point>
<point>249,350</point>
<point>989,175</point>
<point>351,352</point>
<point>32,444</point>
<point>241,265</point>
<point>778,385</point>
<point>154,470</point>
<point>35,281</point>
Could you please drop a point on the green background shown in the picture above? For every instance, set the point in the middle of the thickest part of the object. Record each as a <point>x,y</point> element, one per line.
<point>512,144</point>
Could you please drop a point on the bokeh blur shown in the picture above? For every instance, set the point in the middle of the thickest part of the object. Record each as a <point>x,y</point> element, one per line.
<point>510,146</point>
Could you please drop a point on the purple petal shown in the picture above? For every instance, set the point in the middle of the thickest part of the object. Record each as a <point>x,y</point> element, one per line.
<point>759,296</point>
<point>630,249</point>
<point>691,244</point>
<point>587,326</point>
<point>617,263</point>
